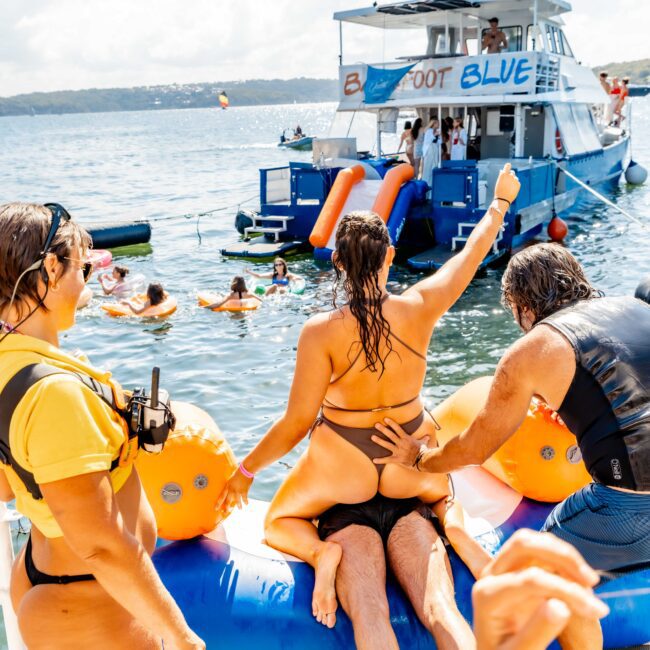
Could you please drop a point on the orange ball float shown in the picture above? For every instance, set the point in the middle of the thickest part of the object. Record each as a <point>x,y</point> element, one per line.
<point>183,482</point>
<point>557,229</point>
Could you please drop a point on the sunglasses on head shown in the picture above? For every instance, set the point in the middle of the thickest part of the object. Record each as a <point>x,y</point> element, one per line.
<point>59,214</point>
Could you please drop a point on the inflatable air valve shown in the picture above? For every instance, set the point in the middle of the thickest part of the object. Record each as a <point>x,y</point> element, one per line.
<point>183,482</point>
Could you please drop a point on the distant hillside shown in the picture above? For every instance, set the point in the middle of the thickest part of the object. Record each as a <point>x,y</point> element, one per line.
<point>637,71</point>
<point>240,93</point>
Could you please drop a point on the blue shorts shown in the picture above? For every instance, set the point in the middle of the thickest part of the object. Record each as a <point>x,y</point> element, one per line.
<point>609,527</point>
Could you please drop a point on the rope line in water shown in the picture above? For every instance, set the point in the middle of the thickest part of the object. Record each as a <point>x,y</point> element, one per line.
<point>602,198</point>
<point>204,213</point>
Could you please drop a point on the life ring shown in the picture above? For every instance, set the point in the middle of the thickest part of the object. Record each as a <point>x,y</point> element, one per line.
<point>541,460</point>
<point>99,257</point>
<point>183,482</point>
<point>247,304</point>
<point>558,142</point>
<point>297,287</point>
<point>165,308</point>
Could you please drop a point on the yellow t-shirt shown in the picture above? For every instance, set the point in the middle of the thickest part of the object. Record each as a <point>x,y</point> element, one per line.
<point>60,428</point>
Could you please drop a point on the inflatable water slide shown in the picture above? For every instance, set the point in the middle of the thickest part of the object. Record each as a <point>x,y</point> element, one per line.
<point>389,197</point>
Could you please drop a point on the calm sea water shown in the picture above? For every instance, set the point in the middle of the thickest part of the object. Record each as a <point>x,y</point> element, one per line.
<point>122,166</point>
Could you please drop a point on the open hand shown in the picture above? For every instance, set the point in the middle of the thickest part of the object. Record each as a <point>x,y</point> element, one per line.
<point>507,185</point>
<point>529,591</point>
<point>235,492</point>
<point>404,448</point>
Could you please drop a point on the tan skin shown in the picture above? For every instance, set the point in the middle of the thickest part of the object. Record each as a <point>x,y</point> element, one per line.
<point>332,470</point>
<point>542,363</point>
<point>528,593</point>
<point>494,40</point>
<point>111,283</point>
<point>109,535</point>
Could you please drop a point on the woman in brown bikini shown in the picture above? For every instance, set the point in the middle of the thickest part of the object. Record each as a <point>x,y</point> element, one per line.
<point>356,365</point>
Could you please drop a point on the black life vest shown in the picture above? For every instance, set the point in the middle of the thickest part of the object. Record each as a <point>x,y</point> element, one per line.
<point>607,406</point>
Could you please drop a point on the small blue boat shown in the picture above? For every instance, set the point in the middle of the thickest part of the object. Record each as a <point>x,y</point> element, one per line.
<point>300,144</point>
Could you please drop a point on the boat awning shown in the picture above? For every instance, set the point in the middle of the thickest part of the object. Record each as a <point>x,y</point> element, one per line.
<point>420,13</point>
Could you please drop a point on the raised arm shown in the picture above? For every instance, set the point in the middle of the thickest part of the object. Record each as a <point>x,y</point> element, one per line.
<point>89,516</point>
<point>264,276</point>
<point>440,291</point>
<point>310,381</point>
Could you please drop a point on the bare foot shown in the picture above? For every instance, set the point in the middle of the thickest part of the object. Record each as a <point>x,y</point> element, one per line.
<point>324,603</point>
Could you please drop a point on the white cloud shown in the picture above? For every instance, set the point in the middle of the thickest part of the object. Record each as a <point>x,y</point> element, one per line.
<point>60,44</point>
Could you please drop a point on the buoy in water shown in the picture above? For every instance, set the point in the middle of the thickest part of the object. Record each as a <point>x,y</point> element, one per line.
<point>557,229</point>
<point>636,174</point>
<point>643,291</point>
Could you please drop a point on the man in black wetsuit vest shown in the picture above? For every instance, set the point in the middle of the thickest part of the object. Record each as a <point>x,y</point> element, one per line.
<point>588,357</point>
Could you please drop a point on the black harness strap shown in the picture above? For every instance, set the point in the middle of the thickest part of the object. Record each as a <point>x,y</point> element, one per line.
<point>15,390</point>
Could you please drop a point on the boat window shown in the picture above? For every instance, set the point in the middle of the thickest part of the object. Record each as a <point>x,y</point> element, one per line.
<point>558,43</point>
<point>530,34</point>
<point>576,124</point>
<point>550,41</point>
<point>566,48</point>
<point>513,34</point>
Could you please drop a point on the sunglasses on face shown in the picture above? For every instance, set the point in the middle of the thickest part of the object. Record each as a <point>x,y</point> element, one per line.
<point>280,266</point>
<point>86,267</point>
<point>59,214</point>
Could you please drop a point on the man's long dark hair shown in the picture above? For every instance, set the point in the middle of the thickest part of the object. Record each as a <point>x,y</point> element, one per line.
<point>544,278</point>
<point>361,244</point>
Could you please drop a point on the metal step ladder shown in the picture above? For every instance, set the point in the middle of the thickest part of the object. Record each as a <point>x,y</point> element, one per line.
<point>259,226</point>
<point>462,238</point>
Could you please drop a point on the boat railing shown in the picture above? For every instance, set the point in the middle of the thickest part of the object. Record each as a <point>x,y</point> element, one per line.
<point>548,73</point>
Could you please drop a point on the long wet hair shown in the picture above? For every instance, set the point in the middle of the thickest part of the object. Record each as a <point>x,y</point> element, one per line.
<point>417,125</point>
<point>155,293</point>
<point>361,244</point>
<point>544,278</point>
<point>238,284</point>
<point>284,266</point>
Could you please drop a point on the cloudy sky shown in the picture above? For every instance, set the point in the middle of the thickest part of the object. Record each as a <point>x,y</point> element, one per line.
<point>71,44</point>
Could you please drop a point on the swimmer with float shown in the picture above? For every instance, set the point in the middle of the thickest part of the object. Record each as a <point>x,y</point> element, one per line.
<point>238,292</point>
<point>114,282</point>
<point>156,295</point>
<point>280,277</point>
<point>355,365</point>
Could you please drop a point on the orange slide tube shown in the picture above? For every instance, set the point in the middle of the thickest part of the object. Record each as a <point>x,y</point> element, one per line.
<point>540,460</point>
<point>389,189</point>
<point>345,181</point>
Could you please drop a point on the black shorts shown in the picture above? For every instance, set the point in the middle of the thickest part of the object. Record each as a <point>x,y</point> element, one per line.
<point>380,514</point>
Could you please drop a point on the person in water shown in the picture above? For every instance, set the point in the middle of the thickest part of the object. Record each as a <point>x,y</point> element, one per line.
<point>588,357</point>
<point>115,282</point>
<point>238,291</point>
<point>85,578</point>
<point>355,364</point>
<point>156,295</point>
<point>280,277</point>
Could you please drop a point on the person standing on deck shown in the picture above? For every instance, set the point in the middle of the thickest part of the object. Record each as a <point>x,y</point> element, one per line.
<point>494,40</point>
<point>588,357</point>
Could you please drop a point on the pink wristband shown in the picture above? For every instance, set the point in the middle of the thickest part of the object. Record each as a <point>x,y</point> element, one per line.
<point>245,472</point>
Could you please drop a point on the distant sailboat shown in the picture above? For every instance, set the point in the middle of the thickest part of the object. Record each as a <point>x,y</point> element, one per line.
<point>223,100</point>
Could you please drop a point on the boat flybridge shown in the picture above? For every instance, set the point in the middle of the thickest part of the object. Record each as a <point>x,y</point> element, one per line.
<point>523,98</point>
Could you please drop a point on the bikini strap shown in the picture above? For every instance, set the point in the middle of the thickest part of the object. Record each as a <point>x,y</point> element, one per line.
<point>334,407</point>
<point>408,347</point>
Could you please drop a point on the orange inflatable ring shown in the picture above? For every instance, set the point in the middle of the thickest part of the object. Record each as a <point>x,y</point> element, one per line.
<point>541,460</point>
<point>247,304</point>
<point>184,481</point>
<point>165,308</point>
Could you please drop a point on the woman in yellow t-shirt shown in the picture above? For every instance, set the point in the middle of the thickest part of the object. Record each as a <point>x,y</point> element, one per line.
<point>85,577</point>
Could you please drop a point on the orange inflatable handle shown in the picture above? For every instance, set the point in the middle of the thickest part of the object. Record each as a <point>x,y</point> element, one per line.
<point>345,181</point>
<point>390,188</point>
